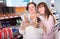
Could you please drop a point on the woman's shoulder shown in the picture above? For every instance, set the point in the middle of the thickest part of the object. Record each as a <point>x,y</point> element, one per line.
<point>50,17</point>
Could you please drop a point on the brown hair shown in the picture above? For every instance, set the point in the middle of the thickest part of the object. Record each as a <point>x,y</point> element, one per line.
<point>29,4</point>
<point>47,11</point>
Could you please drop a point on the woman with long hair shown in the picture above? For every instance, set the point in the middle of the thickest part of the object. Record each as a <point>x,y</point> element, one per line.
<point>47,19</point>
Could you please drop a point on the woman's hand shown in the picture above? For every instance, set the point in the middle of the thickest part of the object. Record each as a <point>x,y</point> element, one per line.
<point>26,18</point>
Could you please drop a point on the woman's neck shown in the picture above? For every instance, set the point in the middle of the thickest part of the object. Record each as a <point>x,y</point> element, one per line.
<point>45,16</point>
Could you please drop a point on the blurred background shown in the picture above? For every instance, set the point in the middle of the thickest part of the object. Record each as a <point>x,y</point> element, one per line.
<point>11,11</point>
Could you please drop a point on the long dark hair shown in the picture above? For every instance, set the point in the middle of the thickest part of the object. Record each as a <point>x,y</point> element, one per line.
<point>47,11</point>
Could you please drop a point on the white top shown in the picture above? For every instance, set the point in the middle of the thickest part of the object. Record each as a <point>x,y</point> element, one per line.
<point>32,33</point>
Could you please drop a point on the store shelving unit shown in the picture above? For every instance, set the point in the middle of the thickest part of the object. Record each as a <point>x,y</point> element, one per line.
<point>12,21</point>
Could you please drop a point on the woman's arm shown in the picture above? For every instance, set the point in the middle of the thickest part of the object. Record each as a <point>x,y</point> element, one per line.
<point>23,26</point>
<point>49,23</point>
<point>21,29</point>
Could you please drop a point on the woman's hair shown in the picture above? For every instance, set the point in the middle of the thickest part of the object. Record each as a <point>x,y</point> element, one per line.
<point>47,11</point>
<point>29,4</point>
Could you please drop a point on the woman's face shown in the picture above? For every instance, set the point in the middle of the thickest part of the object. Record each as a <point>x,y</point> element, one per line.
<point>31,8</point>
<point>41,10</point>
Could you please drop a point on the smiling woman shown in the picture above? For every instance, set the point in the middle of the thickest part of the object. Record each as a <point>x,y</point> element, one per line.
<point>30,30</point>
<point>47,19</point>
